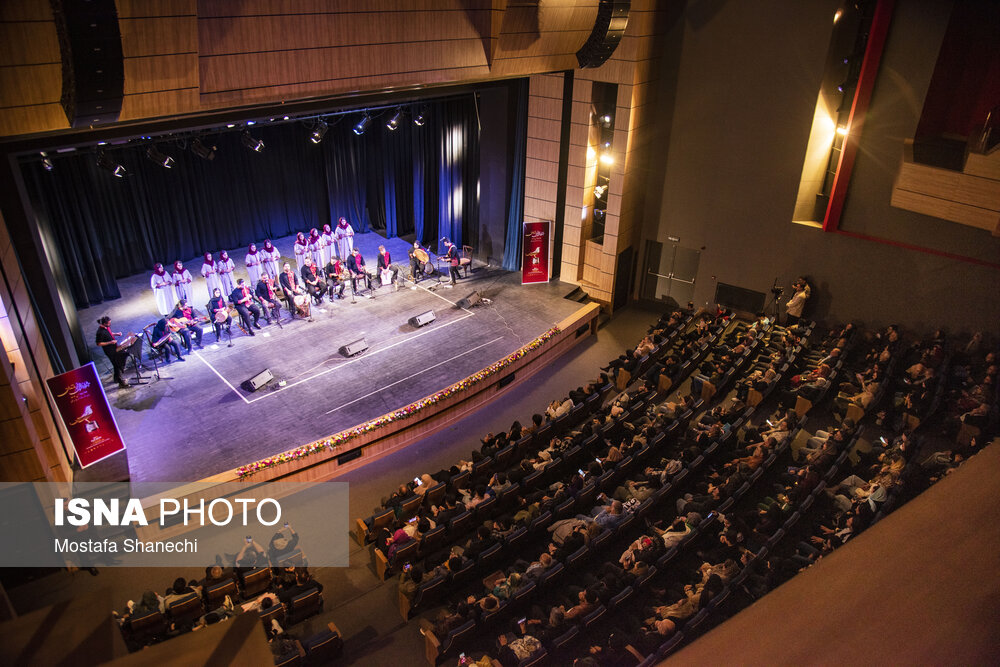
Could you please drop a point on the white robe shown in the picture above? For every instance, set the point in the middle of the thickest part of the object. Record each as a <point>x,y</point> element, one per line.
<point>315,251</point>
<point>300,254</point>
<point>182,284</point>
<point>345,241</point>
<point>212,280</point>
<point>254,262</point>
<point>163,291</point>
<point>225,270</point>
<point>269,261</point>
<point>325,248</point>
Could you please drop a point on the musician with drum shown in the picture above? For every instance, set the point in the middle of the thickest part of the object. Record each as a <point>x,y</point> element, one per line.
<point>295,295</point>
<point>386,271</point>
<point>356,267</point>
<point>418,260</point>
<point>107,340</point>
<point>218,309</point>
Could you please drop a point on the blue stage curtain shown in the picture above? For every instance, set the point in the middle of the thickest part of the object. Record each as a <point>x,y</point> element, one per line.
<point>102,228</point>
<point>515,209</point>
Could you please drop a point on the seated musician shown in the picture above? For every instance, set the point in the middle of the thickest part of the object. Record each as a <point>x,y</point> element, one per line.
<point>385,267</point>
<point>313,281</point>
<point>356,267</point>
<point>289,282</point>
<point>218,305</point>
<point>335,277</point>
<point>416,268</point>
<point>242,298</point>
<point>189,317</point>
<point>166,341</point>
<point>268,298</point>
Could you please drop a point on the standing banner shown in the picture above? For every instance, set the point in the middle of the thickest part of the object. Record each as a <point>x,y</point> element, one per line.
<point>86,413</point>
<point>535,252</point>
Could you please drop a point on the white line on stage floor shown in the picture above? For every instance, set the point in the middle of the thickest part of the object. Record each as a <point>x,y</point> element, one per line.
<point>434,292</point>
<point>329,370</point>
<point>408,377</point>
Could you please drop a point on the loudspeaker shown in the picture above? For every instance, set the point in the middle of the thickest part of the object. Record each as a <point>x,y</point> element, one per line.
<point>469,301</point>
<point>356,347</point>
<point>93,68</point>
<point>258,381</point>
<point>422,319</point>
<point>609,28</point>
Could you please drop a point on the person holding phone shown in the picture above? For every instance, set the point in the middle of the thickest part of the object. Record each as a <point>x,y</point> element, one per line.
<point>251,555</point>
<point>282,544</point>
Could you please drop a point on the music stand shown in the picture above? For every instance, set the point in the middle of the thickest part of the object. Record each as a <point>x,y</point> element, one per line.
<point>135,354</point>
<point>149,339</point>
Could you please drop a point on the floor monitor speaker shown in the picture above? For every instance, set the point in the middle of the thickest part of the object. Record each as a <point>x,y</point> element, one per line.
<point>258,381</point>
<point>356,347</point>
<point>422,319</point>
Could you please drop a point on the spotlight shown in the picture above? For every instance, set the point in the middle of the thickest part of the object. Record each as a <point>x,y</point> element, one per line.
<point>319,131</point>
<point>154,154</point>
<point>202,151</point>
<point>607,158</point>
<point>362,125</point>
<point>256,145</point>
<point>46,161</point>
<point>419,119</point>
<point>842,130</point>
<point>105,161</point>
<point>395,120</point>
<point>605,120</point>
<point>600,190</point>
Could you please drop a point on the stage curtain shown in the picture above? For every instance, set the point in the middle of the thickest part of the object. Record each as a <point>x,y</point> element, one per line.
<point>515,207</point>
<point>99,228</point>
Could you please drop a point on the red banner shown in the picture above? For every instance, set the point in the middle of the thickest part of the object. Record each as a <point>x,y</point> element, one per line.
<point>535,252</point>
<point>86,413</point>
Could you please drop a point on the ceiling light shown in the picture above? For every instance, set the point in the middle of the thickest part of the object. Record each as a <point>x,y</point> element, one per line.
<point>319,131</point>
<point>154,155</point>
<point>362,125</point>
<point>395,120</point>
<point>46,161</point>
<point>256,145</point>
<point>842,130</point>
<point>606,158</point>
<point>106,162</point>
<point>419,119</point>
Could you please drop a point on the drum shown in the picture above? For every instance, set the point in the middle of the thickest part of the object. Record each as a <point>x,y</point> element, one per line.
<point>429,269</point>
<point>422,255</point>
<point>301,302</point>
<point>221,316</point>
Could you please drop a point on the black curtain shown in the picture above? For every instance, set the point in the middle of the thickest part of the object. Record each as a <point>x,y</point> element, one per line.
<point>416,179</point>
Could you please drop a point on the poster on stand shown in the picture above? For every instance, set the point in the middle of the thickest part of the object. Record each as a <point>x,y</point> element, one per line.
<point>86,413</point>
<point>536,252</point>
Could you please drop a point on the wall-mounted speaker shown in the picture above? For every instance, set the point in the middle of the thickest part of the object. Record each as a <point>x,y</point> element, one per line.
<point>420,320</point>
<point>609,28</point>
<point>93,68</point>
<point>356,347</point>
<point>258,381</point>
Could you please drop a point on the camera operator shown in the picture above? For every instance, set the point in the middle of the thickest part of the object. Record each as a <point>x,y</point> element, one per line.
<point>795,305</point>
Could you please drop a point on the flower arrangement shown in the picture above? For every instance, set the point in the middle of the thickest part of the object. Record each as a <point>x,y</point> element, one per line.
<point>334,442</point>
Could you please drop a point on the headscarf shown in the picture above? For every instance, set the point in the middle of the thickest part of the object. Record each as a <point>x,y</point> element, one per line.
<point>300,238</point>
<point>252,249</point>
<point>208,259</point>
<point>342,223</point>
<point>268,246</point>
<point>313,235</point>
<point>178,267</point>
<point>223,256</point>
<point>326,229</point>
<point>158,269</point>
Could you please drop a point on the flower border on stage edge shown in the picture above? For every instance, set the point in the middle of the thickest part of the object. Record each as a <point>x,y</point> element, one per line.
<point>343,437</point>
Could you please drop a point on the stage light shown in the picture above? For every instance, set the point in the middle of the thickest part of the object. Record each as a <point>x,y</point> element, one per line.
<point>256,145</point>
<point>395,120</point>
<point>154,155</point>
<point>842,130</point>
<point>837,15</point>
<point>600,190</point>
<point>605,120</point>
<point>202,151</point>
<point>607,144</point>
<point>362,125</point>
<point>46,161</point>
<point>607,158</point>
<point>106,162</point>
<point>419,119</point>
<point>319,131</point>
<point>591,153</point>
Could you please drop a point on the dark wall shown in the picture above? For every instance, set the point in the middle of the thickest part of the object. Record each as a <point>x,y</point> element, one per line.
<point>746,86</point>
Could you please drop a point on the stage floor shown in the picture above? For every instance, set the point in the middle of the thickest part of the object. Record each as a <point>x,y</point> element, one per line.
<point>197,421</point>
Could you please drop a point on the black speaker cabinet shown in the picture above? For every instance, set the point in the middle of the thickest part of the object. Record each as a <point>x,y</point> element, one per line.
<point>356,347</point>
<point>258,381</point>
<point>609,28</point>
<point>422,319</point>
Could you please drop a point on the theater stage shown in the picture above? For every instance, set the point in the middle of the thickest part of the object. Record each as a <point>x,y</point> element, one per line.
<point>196,420</point>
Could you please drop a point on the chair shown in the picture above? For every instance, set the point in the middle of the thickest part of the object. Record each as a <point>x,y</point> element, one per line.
<point>434,494</point>
<point>427,593</point>
<point>185,611</point>
<point>216,594</point>
<point>324,646</point>
<point>515,540</point>
<point>304,605</point>
<point>410,506</point>
<point>488,559</point>
<point>460,481</point>
<point>459,525</point>
<point>293,658</point>
<point>536,658</point>
<point>504,457</point>
<point>432,540</point>
<point>620,598</point>
<point>254,582</point>
<point>577,557</point>
<point>273,613</point>
<point>566,639</point>
<point>436,650</point>
<point>465,260</point>
<point>363,531</point>
<point>592,619</point>
<point>143,630</point>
